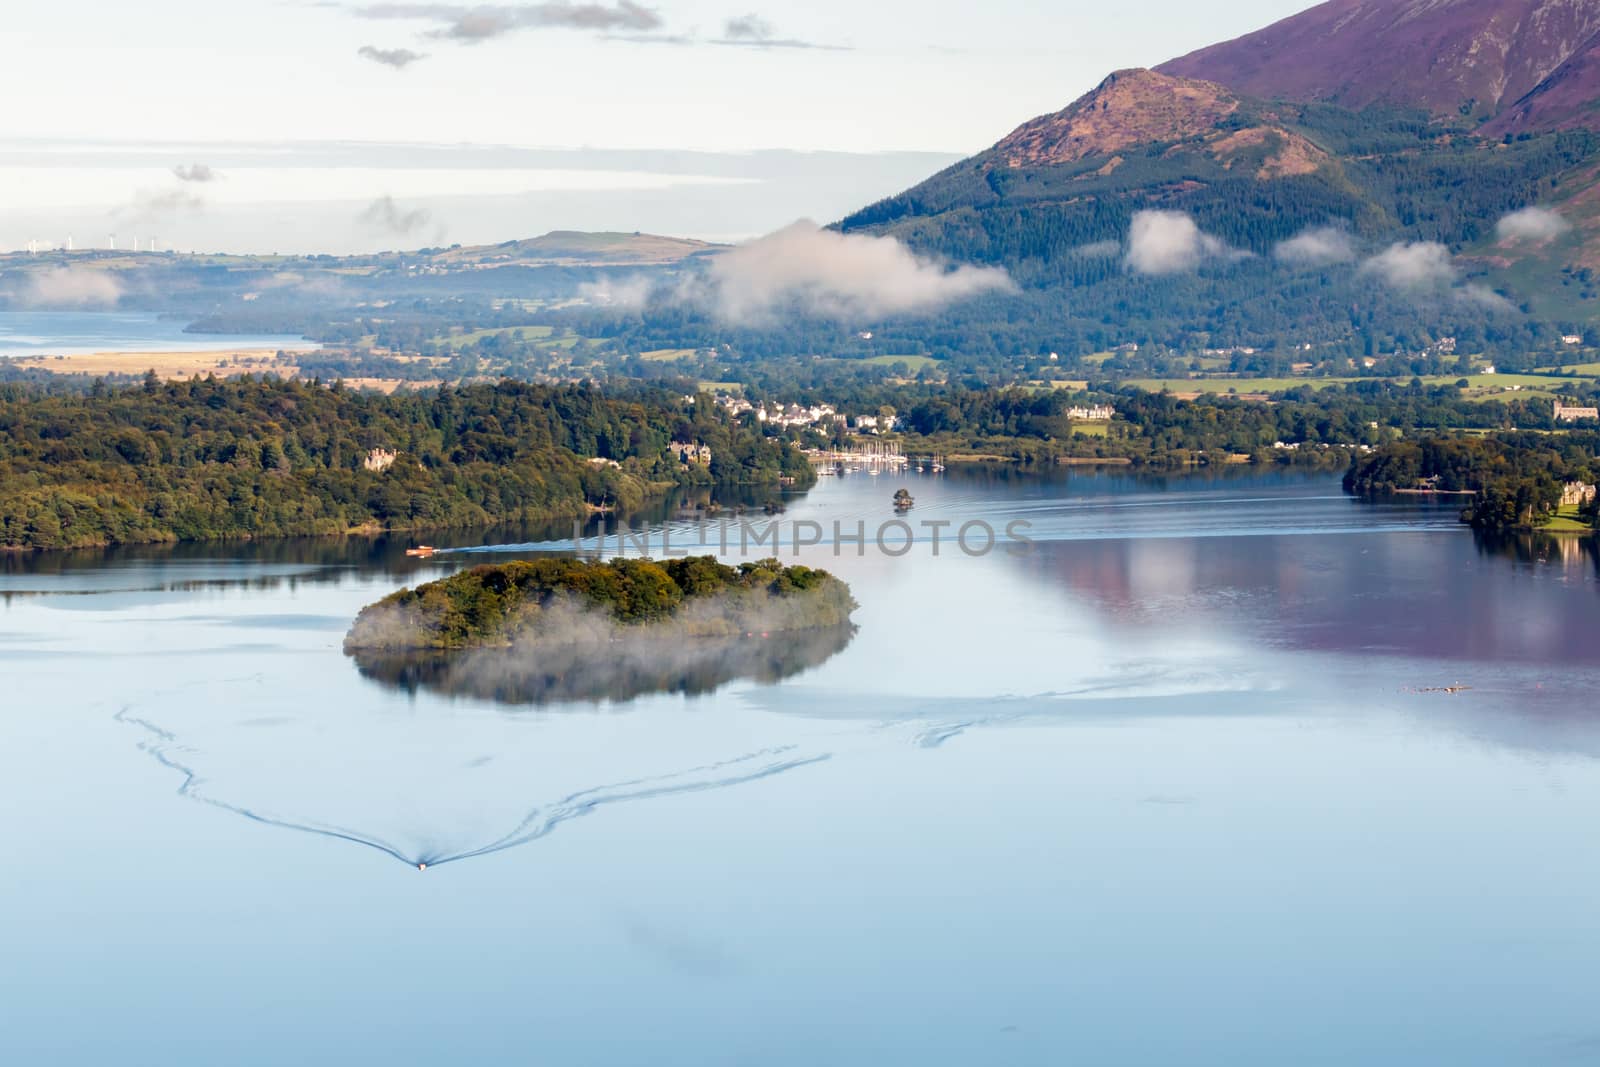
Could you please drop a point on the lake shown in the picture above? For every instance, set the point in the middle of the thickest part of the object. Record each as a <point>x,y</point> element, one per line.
<point>1165,785</point>
<point>66,333</point>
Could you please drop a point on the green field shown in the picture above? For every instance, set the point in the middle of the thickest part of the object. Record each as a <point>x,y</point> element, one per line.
<point>721,387</point>
<point>667,355</point>
<point>460,340</point>
<point>1567,521</point>
<point>1490,381</point>
<point>916,363</point>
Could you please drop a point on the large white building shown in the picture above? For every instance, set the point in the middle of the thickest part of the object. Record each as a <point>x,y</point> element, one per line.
<point>1566,414</point>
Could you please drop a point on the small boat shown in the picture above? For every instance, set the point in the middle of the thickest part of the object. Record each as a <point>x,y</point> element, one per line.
<point>421,550</point>
<point>903,501</point>
<point>874,472</point>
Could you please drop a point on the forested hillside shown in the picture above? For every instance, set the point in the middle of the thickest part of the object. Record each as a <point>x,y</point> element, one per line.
<point>1385,172</point>
<point>1054,203</point>
<point>250,458</point>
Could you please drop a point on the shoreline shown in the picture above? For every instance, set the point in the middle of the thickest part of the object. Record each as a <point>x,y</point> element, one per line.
<point>372,531</point>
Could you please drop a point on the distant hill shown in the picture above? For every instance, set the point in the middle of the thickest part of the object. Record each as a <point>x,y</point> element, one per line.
<point>572,248</point>
<point>1514,64</point>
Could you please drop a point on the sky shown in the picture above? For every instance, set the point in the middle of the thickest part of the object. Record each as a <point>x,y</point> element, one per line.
<point>298,108</point>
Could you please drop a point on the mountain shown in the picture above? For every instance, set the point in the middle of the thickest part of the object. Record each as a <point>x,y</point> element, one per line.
<point>1250,171</point>
<point>1478,59</point>
<point>1347,168</point>
<point>1133,108</point>
<point>1567,99</point>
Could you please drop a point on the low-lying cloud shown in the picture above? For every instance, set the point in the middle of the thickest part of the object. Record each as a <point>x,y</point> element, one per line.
<point>484,22</point>
<point>1486,298</point>
<point>836,275</point>
<point>1169,242</point>
<point>1098,250</point>
<point>72,287</point>
<point>1320,246</point>
<point>1426,269</point>
<point>1531,224</point>
<point>396,58</point>
<point>807,270</point>
<point>620,294</point>
<point>1413,266</point>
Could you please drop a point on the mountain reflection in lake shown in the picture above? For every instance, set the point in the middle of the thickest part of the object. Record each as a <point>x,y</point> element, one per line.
<point>1175,761</point>
<point>619,672</point>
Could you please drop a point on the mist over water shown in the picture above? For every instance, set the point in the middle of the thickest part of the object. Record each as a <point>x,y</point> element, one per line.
<point>1140,770</point>
<point>614,672</point>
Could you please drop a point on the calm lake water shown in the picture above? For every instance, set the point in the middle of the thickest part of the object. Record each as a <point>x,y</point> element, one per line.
<point>65,333</point>
<point>1162,788</point>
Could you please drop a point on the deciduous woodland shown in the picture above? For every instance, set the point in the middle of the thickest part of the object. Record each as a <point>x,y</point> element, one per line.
<point>1517,481</point>
<point>208,459</point>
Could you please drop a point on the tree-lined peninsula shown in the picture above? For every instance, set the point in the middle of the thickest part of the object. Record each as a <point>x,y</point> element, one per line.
<point>247,458</point>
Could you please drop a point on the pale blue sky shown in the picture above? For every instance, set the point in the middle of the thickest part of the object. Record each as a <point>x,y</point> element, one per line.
<point>119,93</point>
<point>931,75</point>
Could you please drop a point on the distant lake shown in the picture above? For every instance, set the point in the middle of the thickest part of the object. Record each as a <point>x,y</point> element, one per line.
<point>66,333</point>
<point>1176,784</point>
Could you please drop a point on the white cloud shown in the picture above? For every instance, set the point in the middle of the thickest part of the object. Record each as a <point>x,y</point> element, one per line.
<point>812,271</point>
<point>1319,246</point>
<point>838,276</point>
<point>1531,224</point>
<point>1486,297</point>
<point>620,294</point>
<point>1169,242</point>
<point>1415,265</point>
<point>72,287</point>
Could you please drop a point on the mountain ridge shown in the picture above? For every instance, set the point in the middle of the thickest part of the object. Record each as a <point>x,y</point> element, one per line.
<point>1185,206</point>
<point>1475,59</point>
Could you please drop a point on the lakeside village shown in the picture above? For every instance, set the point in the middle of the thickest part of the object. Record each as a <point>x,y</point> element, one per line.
<point>862,450</point>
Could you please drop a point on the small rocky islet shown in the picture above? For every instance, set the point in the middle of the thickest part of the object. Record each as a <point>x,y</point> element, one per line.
<point>554,602</point>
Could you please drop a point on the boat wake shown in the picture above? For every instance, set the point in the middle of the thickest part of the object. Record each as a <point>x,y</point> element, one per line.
<point>536,822</point>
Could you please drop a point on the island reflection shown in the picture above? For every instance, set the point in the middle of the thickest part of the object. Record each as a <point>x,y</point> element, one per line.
<point>623,671</point>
